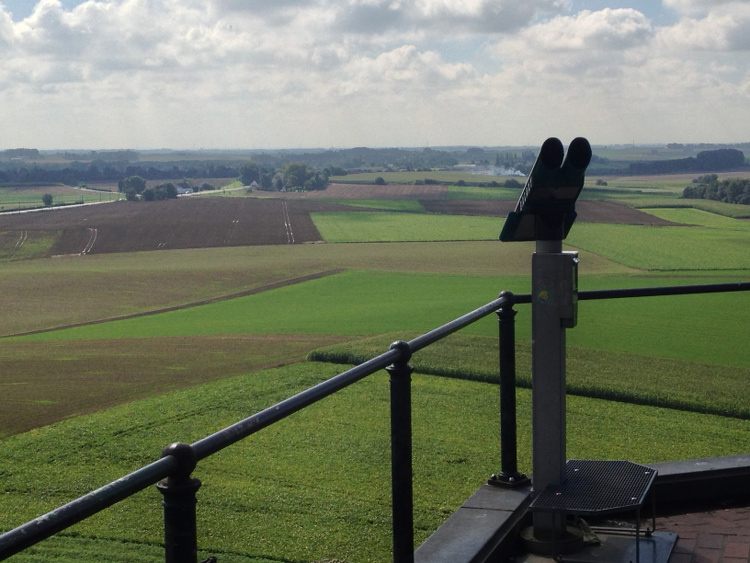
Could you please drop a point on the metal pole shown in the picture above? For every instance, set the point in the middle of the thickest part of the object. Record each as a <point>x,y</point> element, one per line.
<point>509,475</point>
<point>180,530</point>
<point>401,455</point>
<point>548,384</point>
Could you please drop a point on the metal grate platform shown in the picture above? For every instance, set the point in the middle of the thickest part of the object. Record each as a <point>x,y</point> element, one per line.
<point>594,487</point>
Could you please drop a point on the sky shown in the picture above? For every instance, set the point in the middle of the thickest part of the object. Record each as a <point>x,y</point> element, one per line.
<point>264,74</point>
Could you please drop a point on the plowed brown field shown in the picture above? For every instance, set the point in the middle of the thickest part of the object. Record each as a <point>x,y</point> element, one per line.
<point>372,191</point>
<point>196,222</point>
<point>588,211</point>
<point>210,222</point>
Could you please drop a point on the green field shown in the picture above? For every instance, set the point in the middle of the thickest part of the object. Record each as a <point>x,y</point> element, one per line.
<point>721,245</point>
<point>110,395</point>
<point>362,303</point>
<point>410,205</point>
<point>446,177</point>
<point>701,218</point>
<point>474,192</point>
<point>295,491</point>
<point>41,294</point>
<point>665,248</point>
<point>12,198</point>
<point>630,377</point>
<point>402,227</point>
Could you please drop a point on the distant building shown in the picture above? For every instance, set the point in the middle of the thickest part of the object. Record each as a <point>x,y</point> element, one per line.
<point>183,188</point>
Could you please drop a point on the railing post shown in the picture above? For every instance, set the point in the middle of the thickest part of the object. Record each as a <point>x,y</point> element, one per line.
<point>401,455</point>
<point>180,532</point>
<point>509,475</point>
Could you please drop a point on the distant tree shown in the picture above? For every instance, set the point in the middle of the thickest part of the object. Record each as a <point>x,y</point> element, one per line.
<point>148,194</point>
<point>295,175</point>
<point>21,153</point>
<point>379,181</point>
<point>316,181</point>
<point>266,179</point>
<point>165,191</point>
<point>730,190</point>
<point>335,171</point>
<point>134,183</point>
<point>47,200</point>
<point>706,179</point>
<point>721,159</point>
<point>249,173</point>
<point>205,186</point>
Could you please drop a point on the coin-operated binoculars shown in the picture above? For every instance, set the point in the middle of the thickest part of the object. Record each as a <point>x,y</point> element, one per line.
<point>545,212</point>
<point>546,209</point>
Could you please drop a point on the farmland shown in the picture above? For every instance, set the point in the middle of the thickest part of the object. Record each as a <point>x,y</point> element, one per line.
<point>193,313</point>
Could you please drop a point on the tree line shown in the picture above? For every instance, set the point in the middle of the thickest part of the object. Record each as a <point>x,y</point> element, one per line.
<point>294,176</point>
<point>134,188</point>
<point>705,161</point>
<point>101,171</point>
<point>730,190</point>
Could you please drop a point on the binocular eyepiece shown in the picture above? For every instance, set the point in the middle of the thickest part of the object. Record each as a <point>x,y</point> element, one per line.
<point>546,208</point>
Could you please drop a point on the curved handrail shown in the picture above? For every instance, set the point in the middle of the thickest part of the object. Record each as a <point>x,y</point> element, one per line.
<point>75,511</point>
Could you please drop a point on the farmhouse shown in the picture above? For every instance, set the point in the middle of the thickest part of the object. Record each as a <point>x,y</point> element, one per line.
<point>183,188</point>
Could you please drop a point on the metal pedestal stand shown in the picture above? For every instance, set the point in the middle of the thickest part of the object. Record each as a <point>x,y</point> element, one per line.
<point>545,213</point>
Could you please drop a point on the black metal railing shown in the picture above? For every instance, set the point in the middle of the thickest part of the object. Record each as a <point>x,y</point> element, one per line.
<point>172,472</point>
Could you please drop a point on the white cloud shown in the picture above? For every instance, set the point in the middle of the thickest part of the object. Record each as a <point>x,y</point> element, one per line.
<point>725,28</point>
<point>405,70</point>
<point>598,45</point>
<point>482,15</point>
<point>700,6</point>
<point>605,30</point>
<point>319,72</point>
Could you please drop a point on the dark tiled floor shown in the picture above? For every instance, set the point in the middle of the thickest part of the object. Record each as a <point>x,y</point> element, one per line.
<point>715,536</point>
